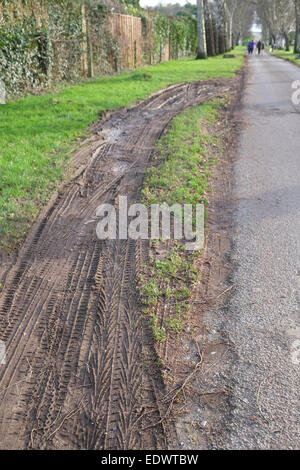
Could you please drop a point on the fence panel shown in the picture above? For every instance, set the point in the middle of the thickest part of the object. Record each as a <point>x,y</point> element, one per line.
<point>127,31</point>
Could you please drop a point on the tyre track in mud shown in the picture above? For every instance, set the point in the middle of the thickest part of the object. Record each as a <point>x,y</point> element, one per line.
<point>77,374</point>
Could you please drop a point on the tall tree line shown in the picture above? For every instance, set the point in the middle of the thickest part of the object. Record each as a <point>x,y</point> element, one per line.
<point>221,25</point>
<point>280,18</point>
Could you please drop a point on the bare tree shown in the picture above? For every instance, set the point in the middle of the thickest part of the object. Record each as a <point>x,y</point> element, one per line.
<point>285,16</point>
<point>209,29</point>
<point>266,12</point>
<point>231,9</point>
<point>243,18</point>
<point>202,48</point>
<point>225,23</point>
<point>220,25</point>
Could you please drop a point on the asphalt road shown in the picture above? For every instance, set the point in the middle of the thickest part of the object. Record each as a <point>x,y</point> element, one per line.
<point>263,315</point>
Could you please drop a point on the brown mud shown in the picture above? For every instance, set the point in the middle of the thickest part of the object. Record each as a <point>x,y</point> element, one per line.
<point>79,368</point>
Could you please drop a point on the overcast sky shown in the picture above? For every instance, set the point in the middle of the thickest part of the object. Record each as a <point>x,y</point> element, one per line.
<point>152,3</point>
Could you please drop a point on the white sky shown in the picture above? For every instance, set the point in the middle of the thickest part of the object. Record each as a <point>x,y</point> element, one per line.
<point>152,3</point>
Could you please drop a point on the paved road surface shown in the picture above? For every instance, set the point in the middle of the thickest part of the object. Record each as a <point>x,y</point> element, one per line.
<point>263,319</point>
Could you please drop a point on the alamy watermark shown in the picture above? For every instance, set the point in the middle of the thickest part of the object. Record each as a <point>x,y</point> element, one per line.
<point>159,221</point>
<point>296,352</point>
<point>296,93</point>
<point>2,353</point>
<point>2,92</point>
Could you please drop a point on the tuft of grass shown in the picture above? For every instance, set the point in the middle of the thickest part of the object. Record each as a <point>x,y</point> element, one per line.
<point>150,293</point>
<point>183,293</point>
<point>169,265</point>
<point>159,332</point>
<point>37,132</point>
<point>174,324</point>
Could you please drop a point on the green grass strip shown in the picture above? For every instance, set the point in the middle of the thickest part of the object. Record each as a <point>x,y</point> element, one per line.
<point>287,55</point>
<point>180,174</point>
<point>182,177</point>
<point>36,131</point>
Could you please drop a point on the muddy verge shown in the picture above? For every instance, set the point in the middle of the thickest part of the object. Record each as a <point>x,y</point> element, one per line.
<point>200,361</point>
<point>79,368</point>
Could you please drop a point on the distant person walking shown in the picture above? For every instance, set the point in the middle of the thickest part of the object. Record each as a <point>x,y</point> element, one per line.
<point>259,46</point>
<point>251,45</point>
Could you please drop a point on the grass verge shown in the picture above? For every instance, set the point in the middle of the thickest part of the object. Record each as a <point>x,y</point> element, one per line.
<point>37,132</point>
<point>182,167</point>
<point>287,55</point>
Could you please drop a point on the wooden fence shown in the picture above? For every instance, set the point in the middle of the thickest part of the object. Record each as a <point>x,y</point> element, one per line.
<point>127,31</point>
<point>97,45</point>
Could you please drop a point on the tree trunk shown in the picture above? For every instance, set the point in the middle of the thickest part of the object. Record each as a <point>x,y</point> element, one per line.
<point>230,32</point>
<point>210,38</point>
<point>201,49</point>
<point>224,43</point>
<point>287,42</point>
<point>297,40</point>
<point>216,35</point>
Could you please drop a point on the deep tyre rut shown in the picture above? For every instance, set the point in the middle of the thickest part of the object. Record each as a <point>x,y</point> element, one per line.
<point>77,372</point>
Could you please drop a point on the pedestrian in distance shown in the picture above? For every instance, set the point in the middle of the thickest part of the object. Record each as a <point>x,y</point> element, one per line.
<point>259,46</point>
<point>251,45</point>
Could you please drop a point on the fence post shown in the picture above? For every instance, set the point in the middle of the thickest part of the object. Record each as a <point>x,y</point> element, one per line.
<point>89,46</point>
<point>84,54</point>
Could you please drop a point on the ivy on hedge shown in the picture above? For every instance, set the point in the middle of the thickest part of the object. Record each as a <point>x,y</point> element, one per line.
<point>33,54</point>
<point>21,55</point>
<point>180,31</point>
<point>104,48</point>
<point>64,30</point>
